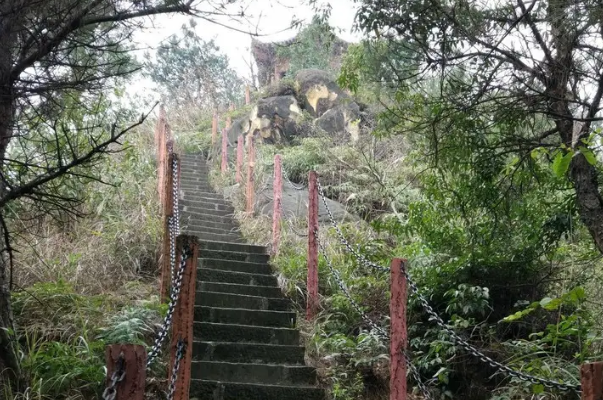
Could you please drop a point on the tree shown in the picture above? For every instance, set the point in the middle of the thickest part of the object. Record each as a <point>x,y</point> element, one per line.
<point>538,63</point>
<point>192,72</point>
<point>59,59</point>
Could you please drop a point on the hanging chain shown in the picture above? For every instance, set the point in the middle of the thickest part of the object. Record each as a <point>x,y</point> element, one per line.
<point>174,220</point>
<point>167,322</point>
<point>117,376</point>
<point>416,376</point>
<point>440,322</point>
<point>293,185</point>
<point>180,349</point>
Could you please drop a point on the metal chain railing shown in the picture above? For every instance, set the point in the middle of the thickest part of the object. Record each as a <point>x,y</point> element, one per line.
<point>117,376</point>
<point>440,322</point>
<point>167,322</point>
<point>381,333</point>
<point>180,349</point>
<point>293,185</point>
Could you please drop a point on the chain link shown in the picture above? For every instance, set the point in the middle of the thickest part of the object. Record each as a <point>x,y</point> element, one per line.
<point>167,322</point>
<point>117,376</point>
<point>381,333</point>
<point>293,185</point>
<point>180,349</point>
<point>441,324</point>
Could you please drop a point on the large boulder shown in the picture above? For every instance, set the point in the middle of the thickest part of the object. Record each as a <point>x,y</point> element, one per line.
<point>344,118</point>
<point>318,92</point>
<point>275,119</point>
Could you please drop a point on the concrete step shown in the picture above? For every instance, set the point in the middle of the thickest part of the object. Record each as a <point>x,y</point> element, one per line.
<point>206,211</point>
<point>230,300</point>
<point>253,373</point>
<point>248,353</point>
<point>240,278</point>
<point>201,219</point>
<point>237,266</point>
<point>219,199</point>
<point>228,238</point>
<point>220,231</point>
<point>238,248</point>
<point>262,291</point>
<point>207,205</point>
<point>280,319</point>
<point>207,195</point>
<point>189,220</point>
<point>210,332</point>
<point>196,187</point>
<point>216,390</point>
<point>235,256</point>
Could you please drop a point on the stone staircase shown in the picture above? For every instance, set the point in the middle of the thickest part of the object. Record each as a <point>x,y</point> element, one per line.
<point>245,342</point>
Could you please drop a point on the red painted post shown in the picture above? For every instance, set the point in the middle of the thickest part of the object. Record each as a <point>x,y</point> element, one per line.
<point>132,359</point>
<point>312,306</point>
<point>214,128</point>
<point>240,156</point>
<point>168,205</point>
<point>232,107</point>
<point>247,95</point>
<point>398,334</point>
<point>184,317</point>
<point>224,151</point>
<point>277,204</point>
<point>591,377</point>
<point>250,178</point>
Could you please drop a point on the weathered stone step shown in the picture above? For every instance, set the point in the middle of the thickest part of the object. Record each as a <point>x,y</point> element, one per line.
<point>189,209</point>
<point>198,218</point>
<point>207,331</point>
<point>205,229</point>
<point>191,197</point>
<point>248,353</point>
<point>231,300</point>
<point>253,373</point>
<point>250,290</point>
<point>281,319</point>
<point>207,205</point>
<point>215,390</point>
<point>241,278</point>
<point>235,256</point>
<point>227,238</point>
<point>190,221</point>
<point>206,195</point>
<point>239,248</point>
<point>195,187</point>
<point>238,266</point>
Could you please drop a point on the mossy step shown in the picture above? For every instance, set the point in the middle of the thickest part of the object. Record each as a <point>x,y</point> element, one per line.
<point>262,291</point>
<point>212,332</point>
<point>226,238</point>
<point>216,390</point>
<point>254,373</point>
<point>234,256</point>
<point>232,300</point>
<point>241,278</point>
<point>239,316</point>
<point>248,353</point>
<point>239,266</point>
<point>239,248</point>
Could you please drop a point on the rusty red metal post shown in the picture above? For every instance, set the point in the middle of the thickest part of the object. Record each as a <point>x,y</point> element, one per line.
<point>168,206</point>
<point>224,151</point>
<point>312,280</point>
<point>214,128</point>
<point>398,334</point>
<point>249,186</point>
<point>240,156</point>
<point>277,204</point>
<point>231,107</point>
<point>591,377</point>
<point>247,95</point>
<point>184,317</point>
<point>133,359</point>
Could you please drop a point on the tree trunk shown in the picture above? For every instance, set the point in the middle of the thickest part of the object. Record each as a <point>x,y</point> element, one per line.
<point>10,371</point>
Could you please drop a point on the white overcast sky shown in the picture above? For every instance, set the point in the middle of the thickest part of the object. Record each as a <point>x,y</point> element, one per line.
<point>267,17</point>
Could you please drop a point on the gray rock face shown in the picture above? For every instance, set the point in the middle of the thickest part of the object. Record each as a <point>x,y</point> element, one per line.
<point>295,205</point>
<point>318,92</point>
<point>343,118</point>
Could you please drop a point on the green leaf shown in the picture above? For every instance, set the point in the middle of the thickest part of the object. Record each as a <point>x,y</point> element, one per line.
<point>537,389</point>
<point>561,163</point>
<point>589,155</point>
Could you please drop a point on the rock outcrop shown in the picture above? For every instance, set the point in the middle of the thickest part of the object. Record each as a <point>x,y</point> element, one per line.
<point>294,108</point>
